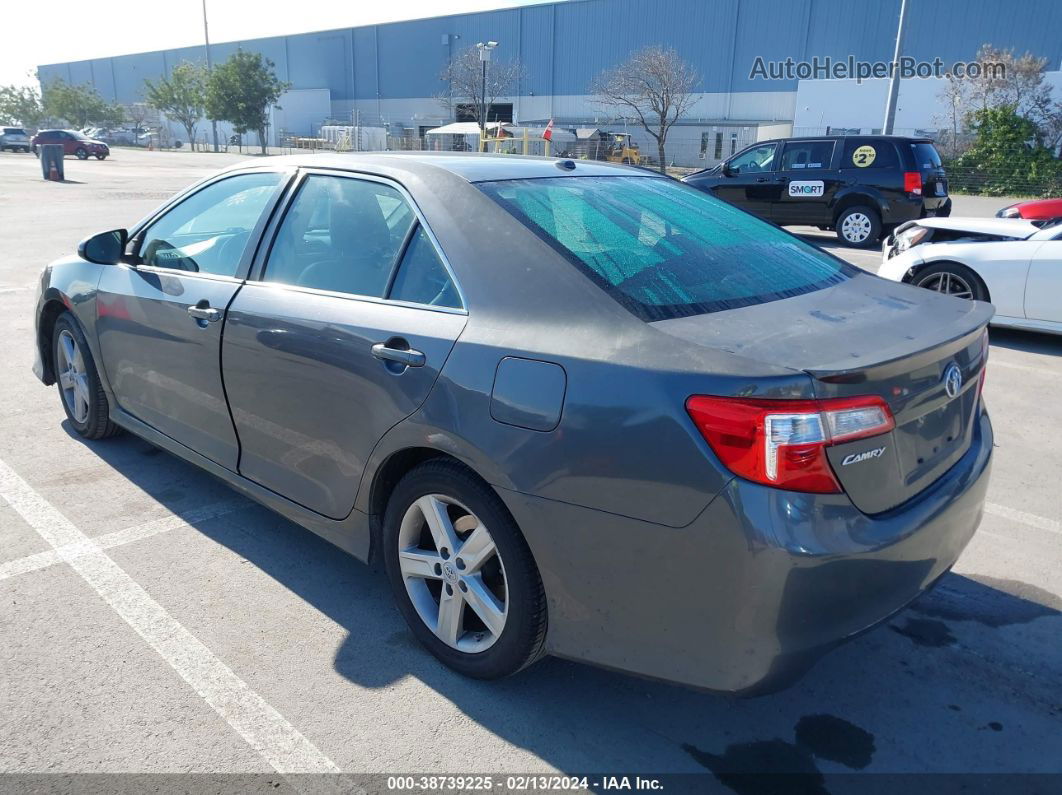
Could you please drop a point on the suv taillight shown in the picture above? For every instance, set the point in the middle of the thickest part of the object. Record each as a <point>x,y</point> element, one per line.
<point>912,182</point>
<point>782,443</point>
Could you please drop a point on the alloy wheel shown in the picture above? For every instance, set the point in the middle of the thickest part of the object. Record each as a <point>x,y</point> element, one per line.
<point>856,228</point>
<point>949,284</point>
<point>453,573</point>
<point>73,379</point>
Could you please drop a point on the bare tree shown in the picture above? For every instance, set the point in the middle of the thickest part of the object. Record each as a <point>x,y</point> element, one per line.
<point>955,98</point>
<point>655,86</point>
<point>463,77</point>
<point>138,113</point>
<point>1004,79</point>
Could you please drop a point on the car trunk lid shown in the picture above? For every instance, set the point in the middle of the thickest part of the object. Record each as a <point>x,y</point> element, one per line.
<point>868,336</point>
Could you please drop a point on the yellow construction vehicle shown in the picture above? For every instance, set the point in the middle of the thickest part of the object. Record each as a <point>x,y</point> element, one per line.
<point>623,150</point>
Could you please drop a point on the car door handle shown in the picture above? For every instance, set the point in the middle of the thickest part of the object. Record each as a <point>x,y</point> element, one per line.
<point>405,356</point>
<point>763,179</point>
<point>203,311</point>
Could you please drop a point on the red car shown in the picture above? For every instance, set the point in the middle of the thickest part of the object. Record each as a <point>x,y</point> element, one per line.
<point>74,143</point>
<point>1033,210</point>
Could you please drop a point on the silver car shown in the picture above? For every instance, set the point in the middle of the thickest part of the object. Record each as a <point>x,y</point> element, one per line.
<point>574,408</point>
<point>14,138</point>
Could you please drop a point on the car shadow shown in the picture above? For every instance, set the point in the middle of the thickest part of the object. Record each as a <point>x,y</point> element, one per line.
<point>941,675</point>
<point>1026,341</point>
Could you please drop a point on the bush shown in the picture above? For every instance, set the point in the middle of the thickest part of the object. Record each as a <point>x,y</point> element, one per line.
<point>1007,158</point>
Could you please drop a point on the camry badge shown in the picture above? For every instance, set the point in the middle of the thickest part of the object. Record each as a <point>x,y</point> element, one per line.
<point>952,380</point>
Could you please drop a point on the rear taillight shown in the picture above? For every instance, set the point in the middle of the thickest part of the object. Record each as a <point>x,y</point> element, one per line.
<point>912,182</point>
<point>984,363</point>
<point>783,443</point>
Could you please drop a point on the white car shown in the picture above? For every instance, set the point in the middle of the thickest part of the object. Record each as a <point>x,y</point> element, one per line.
<point>1014,263</point>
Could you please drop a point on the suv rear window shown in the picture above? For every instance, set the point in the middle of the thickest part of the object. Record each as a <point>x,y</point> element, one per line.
<point>663,249</point>
<point>863,153</point>
<point>14,131</point>
<point>925,155</point>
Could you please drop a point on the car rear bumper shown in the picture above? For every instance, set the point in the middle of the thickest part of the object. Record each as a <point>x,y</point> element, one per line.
<point>762,583</point>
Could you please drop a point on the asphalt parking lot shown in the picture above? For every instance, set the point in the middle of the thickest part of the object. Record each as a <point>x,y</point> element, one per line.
<point>152,620</point>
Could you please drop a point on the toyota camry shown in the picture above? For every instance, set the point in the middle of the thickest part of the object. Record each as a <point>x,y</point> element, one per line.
<point>574,408</point>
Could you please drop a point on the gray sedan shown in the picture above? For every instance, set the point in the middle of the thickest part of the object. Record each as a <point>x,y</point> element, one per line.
<point>574,408</point>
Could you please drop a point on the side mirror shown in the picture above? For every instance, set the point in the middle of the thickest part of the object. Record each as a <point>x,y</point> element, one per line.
<point>728,171</point>
<point>106,248</point>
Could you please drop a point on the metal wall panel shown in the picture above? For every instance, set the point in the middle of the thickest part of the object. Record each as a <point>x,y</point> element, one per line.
<point>564,45</point>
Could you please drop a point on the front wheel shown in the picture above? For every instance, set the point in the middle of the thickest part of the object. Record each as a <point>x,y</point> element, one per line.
<point>952,278</point>
<point>82,154</point>
<point>859,226</point>
<point>462,573</point>
<point>101,157</point>
<point>82,394</point>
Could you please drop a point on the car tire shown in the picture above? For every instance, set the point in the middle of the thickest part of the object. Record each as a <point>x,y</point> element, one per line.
<point>80,390</point>
<point>859,226</point>
<point>101,157</point>
<point>951,278</point>
<point>502,579</point>
<point>81,153</point>
<point>36,152</point>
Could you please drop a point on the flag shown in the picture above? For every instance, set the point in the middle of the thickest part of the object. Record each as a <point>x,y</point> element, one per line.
<point>547,133</point>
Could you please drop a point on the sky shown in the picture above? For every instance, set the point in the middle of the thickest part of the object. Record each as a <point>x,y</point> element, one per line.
<point>73,30</point>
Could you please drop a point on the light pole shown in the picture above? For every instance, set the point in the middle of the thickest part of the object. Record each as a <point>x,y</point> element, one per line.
<point>894,78</point>
<point>210,66</point>
<point>484,57</point>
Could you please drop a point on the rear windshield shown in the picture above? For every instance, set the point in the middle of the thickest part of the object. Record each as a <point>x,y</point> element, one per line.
<point>663,249</point>
<point>925,155</point>
<point>14,131</point>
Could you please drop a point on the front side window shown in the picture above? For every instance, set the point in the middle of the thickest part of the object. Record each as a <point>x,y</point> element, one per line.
<point>807,154</point>
<point>758,158</point>
<point>342,235</point>
<point>663,249</point>
<point>209,231</point>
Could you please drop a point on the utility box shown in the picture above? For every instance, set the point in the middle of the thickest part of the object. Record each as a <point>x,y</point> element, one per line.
<point>52,161</point>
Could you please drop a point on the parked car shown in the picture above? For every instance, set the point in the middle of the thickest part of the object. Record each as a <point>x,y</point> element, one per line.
<point>861,186</point>
<point>74,143</point>
<point>15,139</point>
<point>1033,210</point>
<point>1011,262</point>
<point>564,403</point>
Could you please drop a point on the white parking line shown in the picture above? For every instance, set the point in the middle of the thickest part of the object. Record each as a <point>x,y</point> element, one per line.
<point>264,729</point>
<point>42,560</point>
<point>1030,519</point>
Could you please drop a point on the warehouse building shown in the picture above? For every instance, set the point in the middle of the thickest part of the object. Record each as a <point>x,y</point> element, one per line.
<point>388,75</point>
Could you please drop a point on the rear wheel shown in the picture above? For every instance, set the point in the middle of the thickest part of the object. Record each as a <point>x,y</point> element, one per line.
<point>82,395</point>
<point>462,574</point>
<point>859,226</point>
<point>952,278</point>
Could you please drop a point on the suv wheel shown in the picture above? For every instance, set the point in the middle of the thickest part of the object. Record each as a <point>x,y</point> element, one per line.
<point>461,572</point>
<point>859,226</point>
<point>951,278</point>
<point>101,157</point>
<point>81,153</point>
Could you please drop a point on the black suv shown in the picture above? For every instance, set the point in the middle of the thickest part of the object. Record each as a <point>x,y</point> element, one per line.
<point>859,185</point>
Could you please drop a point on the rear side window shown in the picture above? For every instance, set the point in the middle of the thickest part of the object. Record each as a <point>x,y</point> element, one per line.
<point>807,154</point>
<point>861,153</point>
<point>663,249</point>
<point>422,278</point>
<point>925,155</point>
<point>14,131</point>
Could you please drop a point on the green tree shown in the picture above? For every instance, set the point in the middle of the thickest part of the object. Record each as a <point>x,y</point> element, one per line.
<point>79,105</point>
<point>242,90</point>
<point>1008,156</point>
<point>181,96</point>
<point>21,105</point>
